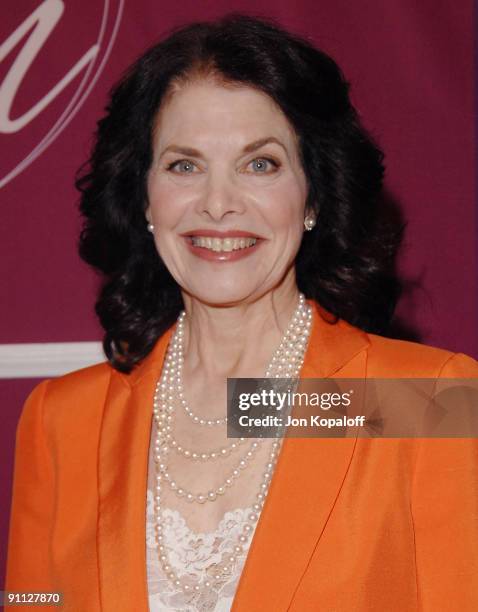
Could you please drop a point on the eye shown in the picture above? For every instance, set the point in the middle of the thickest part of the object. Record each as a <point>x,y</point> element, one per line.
<point>263,165</point>
<point>182,166</point>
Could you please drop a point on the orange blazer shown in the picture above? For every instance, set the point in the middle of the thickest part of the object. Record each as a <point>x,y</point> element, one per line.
<point>349,525</point>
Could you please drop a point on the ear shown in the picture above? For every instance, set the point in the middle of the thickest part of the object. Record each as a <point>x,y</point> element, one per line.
<point>311,211</point>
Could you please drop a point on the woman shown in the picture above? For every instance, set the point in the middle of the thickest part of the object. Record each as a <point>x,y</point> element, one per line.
<point>231,177</point>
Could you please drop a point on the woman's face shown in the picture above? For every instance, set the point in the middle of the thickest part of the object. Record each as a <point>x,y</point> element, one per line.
<point>226,192</point>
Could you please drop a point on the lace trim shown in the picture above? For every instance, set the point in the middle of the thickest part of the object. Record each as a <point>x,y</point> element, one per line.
<point>194,555</point>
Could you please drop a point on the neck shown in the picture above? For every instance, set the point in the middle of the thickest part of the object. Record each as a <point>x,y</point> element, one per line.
<point>238,340</point>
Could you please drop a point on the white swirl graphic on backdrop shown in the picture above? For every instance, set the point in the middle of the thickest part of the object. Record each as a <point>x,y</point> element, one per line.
<point>41,23</point>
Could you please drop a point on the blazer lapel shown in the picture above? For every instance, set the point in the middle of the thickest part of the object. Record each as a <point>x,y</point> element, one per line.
<point>122,482</point>
<point>306,482</point>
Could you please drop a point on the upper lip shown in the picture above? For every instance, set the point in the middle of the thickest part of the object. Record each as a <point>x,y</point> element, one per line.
<point>219,234</point>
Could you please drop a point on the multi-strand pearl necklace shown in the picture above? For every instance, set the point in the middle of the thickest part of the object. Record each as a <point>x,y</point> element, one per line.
<point>285,363</point>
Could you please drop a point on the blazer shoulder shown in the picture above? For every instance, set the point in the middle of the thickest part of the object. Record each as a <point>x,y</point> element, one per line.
<point>91,379</point>
<point>403,358</point>
<point>77,397</point>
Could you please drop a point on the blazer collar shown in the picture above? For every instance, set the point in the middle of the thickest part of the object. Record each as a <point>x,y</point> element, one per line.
<point>306,481</point>
<point>333,343</point>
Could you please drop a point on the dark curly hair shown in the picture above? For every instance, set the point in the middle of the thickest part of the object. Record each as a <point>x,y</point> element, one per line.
<point>344,263</point>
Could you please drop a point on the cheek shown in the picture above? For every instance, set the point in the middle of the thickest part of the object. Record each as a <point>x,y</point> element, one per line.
<point>285,207</point>
<point>165,203</point>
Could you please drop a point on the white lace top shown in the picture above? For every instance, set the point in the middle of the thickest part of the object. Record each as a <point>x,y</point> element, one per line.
<point>193,554</point>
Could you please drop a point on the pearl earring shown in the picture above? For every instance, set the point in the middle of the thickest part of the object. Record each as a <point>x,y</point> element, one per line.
<point>150,227</point>
<point>309,223</point>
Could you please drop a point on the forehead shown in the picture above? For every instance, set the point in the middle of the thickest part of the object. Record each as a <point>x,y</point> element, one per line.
<point>208,112</point>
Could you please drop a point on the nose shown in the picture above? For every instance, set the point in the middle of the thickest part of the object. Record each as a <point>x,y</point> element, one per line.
<point>221,197</point>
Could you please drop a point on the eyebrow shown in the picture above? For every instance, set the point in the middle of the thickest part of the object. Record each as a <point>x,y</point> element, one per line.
<point>249,148</point>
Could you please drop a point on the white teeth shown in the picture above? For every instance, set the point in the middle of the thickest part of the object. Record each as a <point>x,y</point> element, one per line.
<point>219,244</point>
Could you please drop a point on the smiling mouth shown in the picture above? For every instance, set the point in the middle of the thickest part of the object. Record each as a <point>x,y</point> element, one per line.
<point>222,244</point>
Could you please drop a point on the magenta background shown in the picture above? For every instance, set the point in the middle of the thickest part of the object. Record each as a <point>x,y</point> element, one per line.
<point>412,74</point>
